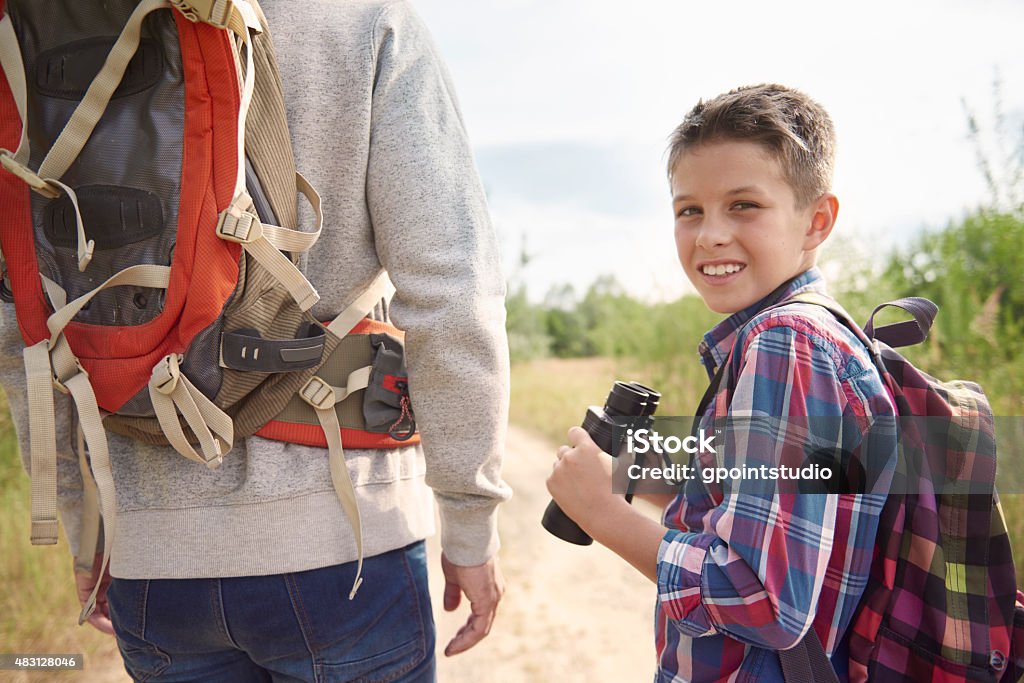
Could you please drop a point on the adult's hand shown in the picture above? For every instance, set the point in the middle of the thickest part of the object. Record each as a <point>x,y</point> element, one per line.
<point>85,582</point>
<point>484,585</point>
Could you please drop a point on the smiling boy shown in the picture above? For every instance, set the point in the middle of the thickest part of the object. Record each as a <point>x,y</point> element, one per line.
<point>741,574</point>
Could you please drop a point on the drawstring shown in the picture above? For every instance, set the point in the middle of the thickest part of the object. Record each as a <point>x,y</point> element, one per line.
<point>406,416</point>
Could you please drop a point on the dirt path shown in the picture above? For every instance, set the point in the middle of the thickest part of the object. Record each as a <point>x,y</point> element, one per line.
<point>570,613</point>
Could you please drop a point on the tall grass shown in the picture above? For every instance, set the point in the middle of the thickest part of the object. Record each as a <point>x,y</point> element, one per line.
<point>38,604</point>
<point>550,395</point>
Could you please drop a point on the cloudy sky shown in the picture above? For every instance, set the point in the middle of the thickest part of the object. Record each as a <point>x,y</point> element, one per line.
<point>569,105</point>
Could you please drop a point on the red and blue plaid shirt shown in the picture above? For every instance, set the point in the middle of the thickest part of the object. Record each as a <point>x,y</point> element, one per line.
<point>742,574</point>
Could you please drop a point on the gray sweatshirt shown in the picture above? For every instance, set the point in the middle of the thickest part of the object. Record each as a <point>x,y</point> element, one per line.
<point>377,130</point>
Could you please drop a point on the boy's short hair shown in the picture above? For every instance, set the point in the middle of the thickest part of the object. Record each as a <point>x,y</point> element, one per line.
<point>793,128</point>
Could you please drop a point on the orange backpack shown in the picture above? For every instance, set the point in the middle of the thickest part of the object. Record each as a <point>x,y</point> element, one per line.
<point>150,243</point>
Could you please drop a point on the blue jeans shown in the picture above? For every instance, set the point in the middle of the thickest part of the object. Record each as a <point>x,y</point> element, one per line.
<point>281,628</point>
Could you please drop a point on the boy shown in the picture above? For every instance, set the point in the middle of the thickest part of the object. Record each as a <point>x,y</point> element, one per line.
<point>740,574</point>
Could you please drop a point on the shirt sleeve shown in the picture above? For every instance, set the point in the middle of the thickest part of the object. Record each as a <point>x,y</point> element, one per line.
<point>434,236</point>
<point>755,571</point>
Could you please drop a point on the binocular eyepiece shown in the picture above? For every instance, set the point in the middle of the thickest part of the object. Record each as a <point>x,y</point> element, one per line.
<point>629,405</point>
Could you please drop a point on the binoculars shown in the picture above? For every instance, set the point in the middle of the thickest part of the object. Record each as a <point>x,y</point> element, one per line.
<point>630,405</point>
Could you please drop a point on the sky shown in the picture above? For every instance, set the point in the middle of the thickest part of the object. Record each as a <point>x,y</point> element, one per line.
<point>569,105</point>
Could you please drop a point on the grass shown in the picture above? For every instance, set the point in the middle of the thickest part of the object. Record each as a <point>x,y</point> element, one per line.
<point>38,606</point>
<point>551,395</point>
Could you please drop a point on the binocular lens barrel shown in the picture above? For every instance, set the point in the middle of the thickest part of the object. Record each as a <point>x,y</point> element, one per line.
<point>653,398</point>
<point>559,524</point>
<point>626,399</point>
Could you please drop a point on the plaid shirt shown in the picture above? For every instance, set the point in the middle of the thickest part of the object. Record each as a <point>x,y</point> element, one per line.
<point>743,573</point>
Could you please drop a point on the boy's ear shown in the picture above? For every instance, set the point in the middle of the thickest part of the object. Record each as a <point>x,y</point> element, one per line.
<point>825,209</point>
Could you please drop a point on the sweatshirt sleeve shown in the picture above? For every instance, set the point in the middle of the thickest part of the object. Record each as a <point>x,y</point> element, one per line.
<point>433,235</point>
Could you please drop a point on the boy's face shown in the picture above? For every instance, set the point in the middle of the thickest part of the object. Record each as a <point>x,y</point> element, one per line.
<point>739,232</point>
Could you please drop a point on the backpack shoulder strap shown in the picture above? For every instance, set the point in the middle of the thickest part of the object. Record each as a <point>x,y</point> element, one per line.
<point>905,333</point>
<point>807,661</point>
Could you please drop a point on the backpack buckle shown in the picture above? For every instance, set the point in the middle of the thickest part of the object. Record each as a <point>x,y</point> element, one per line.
<point>59,385</point>
<point>165,375</point>
<point>27,175</point>
<point>242,228</point>
<point>217,13</point>
<point>318,394</point>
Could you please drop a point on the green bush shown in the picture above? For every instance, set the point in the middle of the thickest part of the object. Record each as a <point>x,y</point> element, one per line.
<point>974,271</point>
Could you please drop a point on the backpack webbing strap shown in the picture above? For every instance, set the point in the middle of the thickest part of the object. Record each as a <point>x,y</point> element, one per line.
<point>240,223</point>
<point>268,143</point>
<point>146,275</point>
<point>170,391</point>
<point>54,292</point>
<point>85,245</point>
<point>49,364</point>
<point>807,661</point>
<point>68,375</point>
<point>43,443</point>
<point>14,69</point>
<point>219,13</point>
<point>319,393</point>
<point>380,288</point>
<point>99,455</point>
<point>87,114</point>
<point>244,10</point>
<point>322,398</point>
<point>295,241</point>
<point>89,525</point>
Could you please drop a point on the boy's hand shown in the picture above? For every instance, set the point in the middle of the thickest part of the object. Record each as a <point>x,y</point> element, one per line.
<point>581,480</point>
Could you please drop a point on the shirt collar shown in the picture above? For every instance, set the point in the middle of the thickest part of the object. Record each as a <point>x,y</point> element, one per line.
<point>718,342</point>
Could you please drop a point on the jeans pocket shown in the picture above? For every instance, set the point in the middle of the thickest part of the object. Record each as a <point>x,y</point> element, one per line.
<point>398,634</point>
<point>127,602</point>
<point>143,661</point>
<point>389,665</point>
